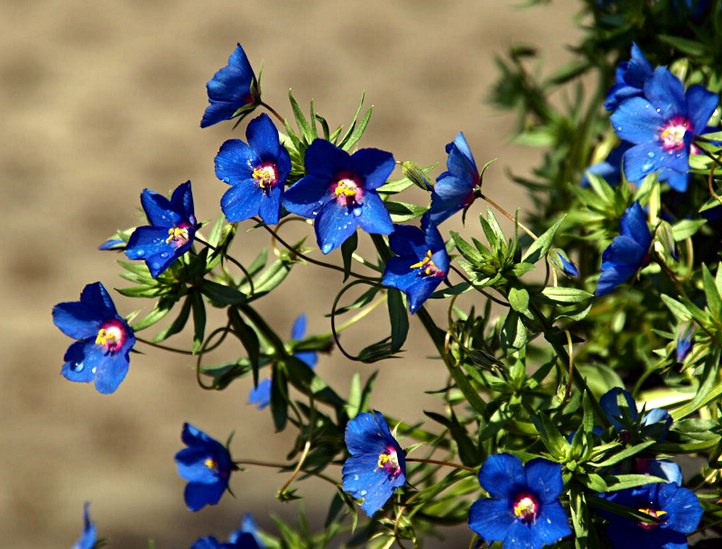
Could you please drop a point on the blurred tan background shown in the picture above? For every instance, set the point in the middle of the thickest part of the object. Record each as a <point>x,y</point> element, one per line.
<point>101,99</point>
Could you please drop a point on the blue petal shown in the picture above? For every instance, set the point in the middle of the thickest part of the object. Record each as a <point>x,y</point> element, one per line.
<point>521,535</point>
<point>637,121</point>
<point>324,160</point>
<point>363,479</point>
<point>235,162</point>
<point>89,537</point>
<point>545,478</point>
<point>450,195</point>
<point>491,518</point>
<point>551,524</point>
<point>182,202</point>
<point>96,297</point>
<point>158,209</point>
<point>307,196</point>
<point>399,274</point>
<point>675,179</point>
<point>701,104</point>
<point>149,243</point>
<point>634,225</point>
<point>111,371</point>
<point>620,416</point>
<point>193,436</point>
<point>683,507</point>
<point>263,138</point>
<point>612,276</point>
<point>269,208</point>
<point>298,330</point>
<point>368,433</point>
<point>208,542</point>
<point>198,496</point>
<point>420,291</point>
<point>191,465</point>
<point>242,201</point>
<point>76,320</point>
<point>261,395</point>
<point>643,159</point>
<point>334,224</point>
<point>460,162</point>
<point>229,89</point>
<point>666,92</point>
<point>373,166</point>
<point>501,475</point>
<point>407,240</point>
<point>374,218</point>
<point>76,367</point>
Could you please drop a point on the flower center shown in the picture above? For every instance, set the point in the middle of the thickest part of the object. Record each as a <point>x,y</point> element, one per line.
<point>178,235</point>
<point>347,191</point>
<point>111,336</point>
<point>389,462</point>
<point>212,464</point>
<point>427,267</point>
<point>652,513</point>
<point>672,135</point>
<point>526,507</point>
<point>266,176</point>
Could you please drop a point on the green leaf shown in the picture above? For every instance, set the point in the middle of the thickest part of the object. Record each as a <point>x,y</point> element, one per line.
<point>249,340</point>
<point>347,249</point>
<point>519,300</point>
<point>560,294</point>
<point>301,122</point>
<point>468,452</point>
<point>159,312</point>
<point>469,252</point>
<point>686,228</point>
<point>398,318</point>
<point>714,301</point>
<point>676,308</point>
<point>222,295</point>
<point>554,441</point>
<point>403,211</point>
<point>279,398</point>
<point>540,247</point>
<point>684,45</point>
<point>199,321</point>
<point>178,324</point>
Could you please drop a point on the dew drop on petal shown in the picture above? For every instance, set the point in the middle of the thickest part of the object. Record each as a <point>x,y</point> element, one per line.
<point>355,477</point>
<point>155,266</point>
<point>362,493</point>
<point>140,253</point>
<point>619,128</point>
<point>93,370</point>
<point>77,366</point>
<point>659,110</point>
<point>164,255</point>
<point>357,212</point>
<point>650,154</point>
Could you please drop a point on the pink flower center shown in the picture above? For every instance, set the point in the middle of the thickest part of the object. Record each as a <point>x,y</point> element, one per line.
<point>656,513</point>
<point>111,336</point>
<point>347,191</point>
<point>427,267</point>
<point>266,175</point>
<point>673,132</point>
<point>389,462</point>
<point>526,507</point>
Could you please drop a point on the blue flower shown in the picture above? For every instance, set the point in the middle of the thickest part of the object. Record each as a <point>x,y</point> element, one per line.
<point>421,265</point>
<point>261,394</point>
<point>684,342</point>
<point>662,125</point>
<point>524,509</point>
<point>339,192</point>
<point>621,411</point>
<point>243,538</point>
<point>232,88</point>
<point>627,253</point>
<point>89,536</point>
<point>206,464</point>
<point>630,78</point>
<point>170,233</point>
<point>455,188</point>
<point>566,265</point>
<point>104,339</point>
<point>256,172</point>
<point>376,466</point>
<point>662,468</point>
<point>677,509</point>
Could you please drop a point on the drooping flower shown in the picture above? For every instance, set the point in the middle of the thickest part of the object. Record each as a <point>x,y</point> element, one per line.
<point>104,339</point>
<point>89,536</point>
<point>376,466</point>
<point>621,411</point>
<point>662,124</point>
<point>627,253</point>
<point>261,394</point>
<point>170,233</point>
<point>609,169</point>
<point>232,88</point>
<point>245,537</point>
<point>524,509</point>
<point>206,464</point>
<point>565,264</point>
<point>421,263</point>
<point>677,510</point>
<point>630,78</point>
<point>256,171</point>
<point>456,187</point>
<point>339,192</point>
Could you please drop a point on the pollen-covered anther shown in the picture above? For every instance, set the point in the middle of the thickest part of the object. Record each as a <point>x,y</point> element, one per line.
<point>265,176</point>
<point>673,132</point>
<point>428,267</point>
<point>655,513</point>
<point>178,235</point>
<point>526,507</point>
<point>347,192</point>
<point>389,462</point>
<point>111,336</point>
<point>211,464</point>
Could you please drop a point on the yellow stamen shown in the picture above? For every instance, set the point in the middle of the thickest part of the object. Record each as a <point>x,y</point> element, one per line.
<point>345,187</point>
<point>265,175</point>
<point>107,337</point>
<point>176,233</point>
<point>525,508</point>
<point>211,464</point>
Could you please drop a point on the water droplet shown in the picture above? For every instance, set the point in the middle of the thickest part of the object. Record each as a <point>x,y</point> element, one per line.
<point>314,213</point>
<point>647,167</point>
<point>155,266</point>
<point>164,255</point>
<point>659,110</point>
<point>157,240</point>
<point>650,154</point>
<point>619,128</point>
<point>362,493</point>
<point>646,106</point>
<point>357,212</point>
<point>93,370</point>
<point>355,477</point>
<point>77,366</point>
<point>139,253</point>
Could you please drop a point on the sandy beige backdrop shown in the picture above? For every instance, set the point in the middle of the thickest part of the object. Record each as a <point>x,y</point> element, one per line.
<point>101,99</point>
